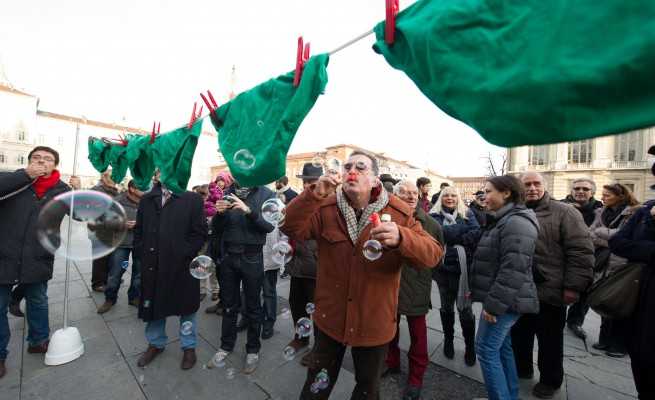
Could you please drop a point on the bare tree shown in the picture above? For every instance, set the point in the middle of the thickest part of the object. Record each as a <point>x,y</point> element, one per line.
<point>496,165</point>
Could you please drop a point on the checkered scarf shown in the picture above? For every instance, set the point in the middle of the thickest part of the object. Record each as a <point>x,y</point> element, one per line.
<point>355,228</point>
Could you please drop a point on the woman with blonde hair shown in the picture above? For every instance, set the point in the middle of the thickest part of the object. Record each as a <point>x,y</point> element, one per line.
<point>461,233</point>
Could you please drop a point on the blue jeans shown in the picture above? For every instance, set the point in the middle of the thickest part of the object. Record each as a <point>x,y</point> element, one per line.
<point>269,294</point>
<point>36,300</point>
<point>116,272</point>
<point>494,348</point>
<point>156,332</point>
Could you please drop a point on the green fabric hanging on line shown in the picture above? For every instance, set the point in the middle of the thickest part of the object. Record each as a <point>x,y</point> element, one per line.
<point>531,71</point>
<point>118,162</point>
<point>257,127</point>
<point>173,155</point>
<point>141,161</point>
<point>98,154</point>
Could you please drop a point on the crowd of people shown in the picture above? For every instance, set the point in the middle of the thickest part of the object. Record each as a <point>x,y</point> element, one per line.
<point>528,258</point>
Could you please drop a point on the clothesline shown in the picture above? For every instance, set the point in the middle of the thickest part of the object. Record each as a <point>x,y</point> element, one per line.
<point>351,42</point>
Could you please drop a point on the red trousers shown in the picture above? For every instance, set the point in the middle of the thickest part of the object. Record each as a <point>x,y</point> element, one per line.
<point>418,349</point>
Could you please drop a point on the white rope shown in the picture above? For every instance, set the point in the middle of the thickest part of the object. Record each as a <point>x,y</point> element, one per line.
<point>351,42</point>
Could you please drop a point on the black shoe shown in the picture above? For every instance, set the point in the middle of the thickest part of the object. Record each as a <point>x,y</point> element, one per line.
<point>600,346</point>
<point>578,331</point>
<point>449,348</point>
<point>215,309</point>
<point>615,352</point>
<point>543,391</point>
<point>267,333</point>
<point>14,309</point>
<point>412,393</point>
<point>390,371</point>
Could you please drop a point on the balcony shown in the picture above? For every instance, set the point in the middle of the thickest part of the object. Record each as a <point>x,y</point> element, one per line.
<point>629,165</point>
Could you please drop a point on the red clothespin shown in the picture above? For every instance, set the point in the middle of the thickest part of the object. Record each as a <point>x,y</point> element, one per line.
<point>194,116</point>
<point>212,106</point>
<point>390,22</point>
<point>156,128</point>
<point>122,140</point>
<point>301,58</point>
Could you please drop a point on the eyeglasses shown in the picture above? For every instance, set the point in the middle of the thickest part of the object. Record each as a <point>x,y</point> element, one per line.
<point>37,157</point>
<point>359,166</point>
<point>583,189</point>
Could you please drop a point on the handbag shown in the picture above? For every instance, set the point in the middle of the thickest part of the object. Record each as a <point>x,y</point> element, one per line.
<point>615,294</point>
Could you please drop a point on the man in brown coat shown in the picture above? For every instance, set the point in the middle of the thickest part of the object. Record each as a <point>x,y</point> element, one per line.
<point>564,259</point>
<point>356,299</point>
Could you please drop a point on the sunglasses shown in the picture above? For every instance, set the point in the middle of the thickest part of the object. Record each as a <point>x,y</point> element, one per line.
<point>359,166</point>
<point>582,189</point>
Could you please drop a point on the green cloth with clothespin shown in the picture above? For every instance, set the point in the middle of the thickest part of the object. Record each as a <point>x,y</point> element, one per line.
<point>118,162</point>
<point>257,127</point>
<point>98,154</point>
<point>173,155</point>
<point>141,161</point>
<point>531,71</point>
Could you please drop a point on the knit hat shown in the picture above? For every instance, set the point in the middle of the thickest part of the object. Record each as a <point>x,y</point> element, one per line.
<point>226,177</point>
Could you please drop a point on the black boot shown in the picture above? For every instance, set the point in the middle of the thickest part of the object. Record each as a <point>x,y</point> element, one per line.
<point>468,330</point>
<point>448,326</point>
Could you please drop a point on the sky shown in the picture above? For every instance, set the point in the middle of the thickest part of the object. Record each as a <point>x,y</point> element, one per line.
<point>148,60</point>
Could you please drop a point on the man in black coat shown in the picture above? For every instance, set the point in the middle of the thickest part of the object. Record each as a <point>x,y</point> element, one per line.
<point>582,198</point>
<point>241,230</point>
<point>23,260</point>
<point>100,266</point>
<point>284,191</point>
<point>170,230</point>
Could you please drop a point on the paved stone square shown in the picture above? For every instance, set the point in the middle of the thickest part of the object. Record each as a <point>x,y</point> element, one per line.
<point>114,341</point>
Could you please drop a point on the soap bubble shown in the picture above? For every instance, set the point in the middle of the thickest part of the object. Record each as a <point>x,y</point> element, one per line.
<point>187,328</point>
<point>304,327</point>
<point>244,159</point>
<point>317,161</point>
<point>310,308</point>
<point>285,313</point>
<point>333,166</point>
<point>289,353</point>
<point>125,264</point>
<point>321,381</point>
<point>229,373</point>
<point>260,123</point>
<point>372,250</point>
<point>282,253</point>
<point>201,267</point>
<point>218,360</point>
<point>273,211</point>
<point>97,228</point>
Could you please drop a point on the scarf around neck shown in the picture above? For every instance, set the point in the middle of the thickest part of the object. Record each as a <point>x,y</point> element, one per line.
<point>355,227</point>
<point>43,184</point>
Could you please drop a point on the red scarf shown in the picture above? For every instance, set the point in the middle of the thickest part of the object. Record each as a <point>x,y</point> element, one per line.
<point>43,184</point>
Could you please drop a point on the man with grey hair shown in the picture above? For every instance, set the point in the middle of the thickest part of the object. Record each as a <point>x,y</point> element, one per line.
<point>563,268</point>
<point>582,198</point>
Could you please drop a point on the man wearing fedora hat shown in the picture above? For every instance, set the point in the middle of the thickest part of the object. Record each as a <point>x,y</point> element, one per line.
<point>302,269</point>
<point>388,182</point>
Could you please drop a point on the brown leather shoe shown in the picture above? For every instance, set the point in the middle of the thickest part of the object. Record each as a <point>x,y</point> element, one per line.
<point>3,369</point>
<point>39,348</point>
<point>148,356</point>
<point>188,359</point>
<point>106,306</point>
<point>99,288</point>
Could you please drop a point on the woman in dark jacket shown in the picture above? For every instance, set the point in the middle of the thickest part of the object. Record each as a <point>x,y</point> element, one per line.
<point>618,205</point>
<point>502,282</point>
<point>636,242</point>
<point>461,232</point>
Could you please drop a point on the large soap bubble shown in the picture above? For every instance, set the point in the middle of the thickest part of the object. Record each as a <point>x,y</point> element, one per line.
<point>201,267</point>
<point>97,228</point>
<point>273,211</point>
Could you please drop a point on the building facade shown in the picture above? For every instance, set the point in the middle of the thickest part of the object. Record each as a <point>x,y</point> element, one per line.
<point>389,165</point>
<point>24,126</point>
<point>618,158</point>
<point>468,185</point>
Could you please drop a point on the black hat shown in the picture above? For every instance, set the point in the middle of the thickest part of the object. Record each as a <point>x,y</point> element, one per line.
<point>652,150</point>
<point>388,178</point>
<point>309,171</point>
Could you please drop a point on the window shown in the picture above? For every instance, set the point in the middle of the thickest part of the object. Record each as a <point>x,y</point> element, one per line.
<point>538,155</point>
<point>60,140</point>
<point>627,147</point>
<point>20,159</point>
<point>2,158</point>
<point>41,139</point>
<point>580,152</point>
<point>21,136</point>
